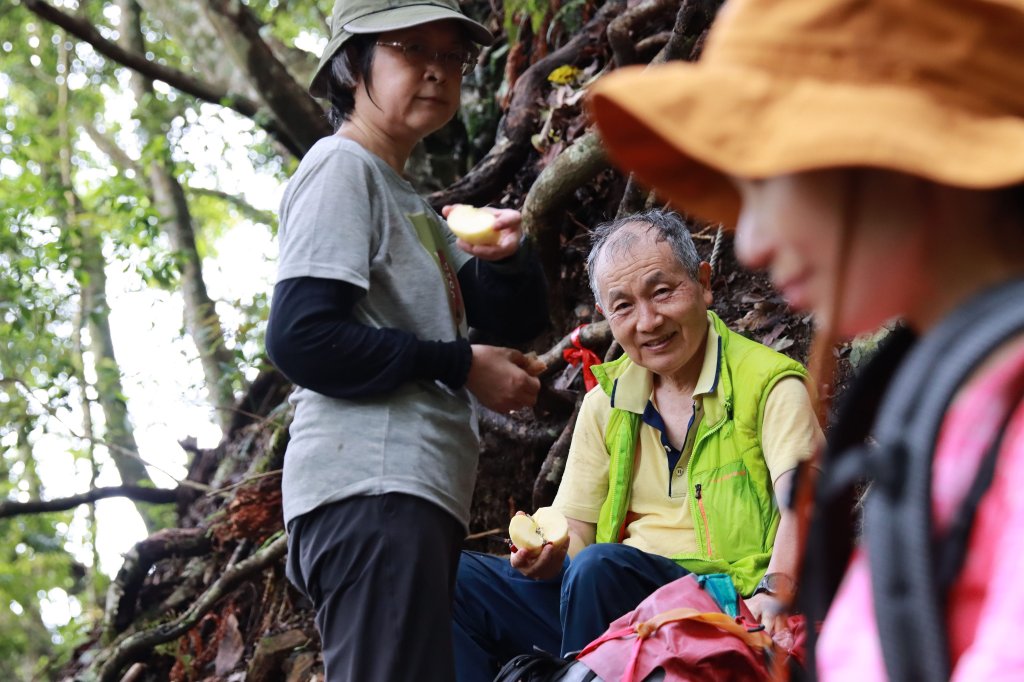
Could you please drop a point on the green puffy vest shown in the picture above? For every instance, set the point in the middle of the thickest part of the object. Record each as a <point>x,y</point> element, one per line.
<point>731,498</point>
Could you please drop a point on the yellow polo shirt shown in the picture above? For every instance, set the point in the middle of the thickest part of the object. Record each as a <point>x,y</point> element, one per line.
<point>659,519</point>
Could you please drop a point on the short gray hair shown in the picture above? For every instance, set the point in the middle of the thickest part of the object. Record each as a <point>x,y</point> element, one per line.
<point>668,227</point>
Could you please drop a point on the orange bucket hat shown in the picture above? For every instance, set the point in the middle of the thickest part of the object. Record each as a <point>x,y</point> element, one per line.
<point>932,88</point>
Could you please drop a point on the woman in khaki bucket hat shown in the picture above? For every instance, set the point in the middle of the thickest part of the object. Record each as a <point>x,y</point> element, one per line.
<point>870,154</point>
<point>369,319</point>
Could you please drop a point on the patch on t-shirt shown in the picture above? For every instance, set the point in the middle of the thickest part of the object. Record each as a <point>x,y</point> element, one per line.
<point>429,233</point>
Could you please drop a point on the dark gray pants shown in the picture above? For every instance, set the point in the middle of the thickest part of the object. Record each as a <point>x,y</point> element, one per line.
<point>380,571</point>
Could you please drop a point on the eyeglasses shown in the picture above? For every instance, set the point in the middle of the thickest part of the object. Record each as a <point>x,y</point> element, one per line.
<point>420,55</point>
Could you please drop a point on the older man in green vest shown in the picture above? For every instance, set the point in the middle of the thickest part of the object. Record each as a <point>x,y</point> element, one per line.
<point>679,461</point>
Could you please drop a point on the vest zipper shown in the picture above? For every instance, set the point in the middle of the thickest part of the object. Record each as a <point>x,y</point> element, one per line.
<point>704,518</point>
<point>713,429</point>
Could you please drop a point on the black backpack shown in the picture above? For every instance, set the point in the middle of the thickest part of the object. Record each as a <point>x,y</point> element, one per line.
<point>541,666</point>
<point>900,399</point>
<point>544,667</point>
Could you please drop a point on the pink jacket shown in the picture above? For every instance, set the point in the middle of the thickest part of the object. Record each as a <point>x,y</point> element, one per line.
<point>986,608</point>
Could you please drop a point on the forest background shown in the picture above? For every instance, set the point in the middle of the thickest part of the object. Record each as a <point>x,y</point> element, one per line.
<point>143,147</point>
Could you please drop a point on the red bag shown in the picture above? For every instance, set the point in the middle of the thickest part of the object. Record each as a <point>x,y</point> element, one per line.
<point>681,629</point>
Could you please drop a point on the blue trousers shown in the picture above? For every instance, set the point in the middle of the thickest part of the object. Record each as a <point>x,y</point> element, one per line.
<point>499,613</point>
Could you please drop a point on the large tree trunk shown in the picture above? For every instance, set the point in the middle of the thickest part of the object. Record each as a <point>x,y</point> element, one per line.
<point>90,272</point>
<point>119,434</point>
<point>201,319</point>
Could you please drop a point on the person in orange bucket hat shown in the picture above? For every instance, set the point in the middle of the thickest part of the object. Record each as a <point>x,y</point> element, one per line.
<point>870,155</point>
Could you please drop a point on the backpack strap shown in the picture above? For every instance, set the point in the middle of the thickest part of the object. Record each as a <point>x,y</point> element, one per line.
<point>908,598</point>
<point>834,525</point>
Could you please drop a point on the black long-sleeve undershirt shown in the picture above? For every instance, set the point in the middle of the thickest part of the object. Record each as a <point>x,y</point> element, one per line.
<point>314,340</point>
<point>507,298</point>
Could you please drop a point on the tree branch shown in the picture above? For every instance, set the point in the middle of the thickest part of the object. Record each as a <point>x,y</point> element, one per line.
<point>136,646</point>
<point>83,30</point>
<point>256,215</point>
<point>28,394</point>
<point>292,105</point>
<point>10,508</point>
<point>112,150</point>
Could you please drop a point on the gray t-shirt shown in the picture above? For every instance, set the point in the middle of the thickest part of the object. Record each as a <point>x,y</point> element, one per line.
<point>347,215</point>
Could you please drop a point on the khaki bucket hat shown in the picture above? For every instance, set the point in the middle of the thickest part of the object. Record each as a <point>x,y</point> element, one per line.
<point>931,88</point>
<point>352,17</point>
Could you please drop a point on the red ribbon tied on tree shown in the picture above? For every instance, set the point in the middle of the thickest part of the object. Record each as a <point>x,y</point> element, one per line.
<point>580,354</point>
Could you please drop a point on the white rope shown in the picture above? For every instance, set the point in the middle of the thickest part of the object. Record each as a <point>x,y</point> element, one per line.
<point>716,249</point>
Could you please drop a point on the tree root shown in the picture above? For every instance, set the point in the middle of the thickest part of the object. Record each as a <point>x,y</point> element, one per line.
<point>581,162</point>
<point>512,143</point>
<point>577,165</point>
<point>268,391</point>
<point>528,433</point>
<point>652,45</point>
<point>692,23</point>
<point>137,645</point>
<point>684,42</point>
<point>623,30</point>
<point>125,588</point>
<point>546,484</point>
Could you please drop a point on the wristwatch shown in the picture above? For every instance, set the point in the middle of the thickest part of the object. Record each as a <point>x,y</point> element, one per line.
<point>775,585</point>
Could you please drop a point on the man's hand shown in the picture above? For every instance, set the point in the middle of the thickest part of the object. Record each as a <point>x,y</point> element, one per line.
<point>542,564</point>
<point>768,611</point>
<point>508,223</point>
<point>499,378</point>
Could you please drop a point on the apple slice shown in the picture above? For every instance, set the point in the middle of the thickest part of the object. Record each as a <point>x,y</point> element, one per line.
<point>473,225</point>
<point>546,525</point>
<point>524,533</point>
<point>553,526</point>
